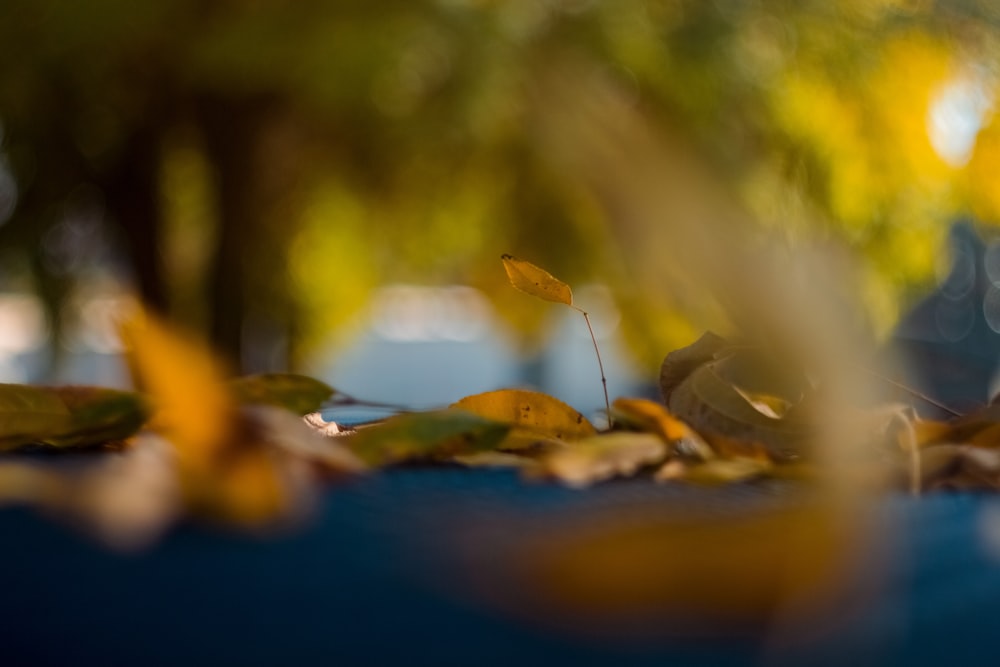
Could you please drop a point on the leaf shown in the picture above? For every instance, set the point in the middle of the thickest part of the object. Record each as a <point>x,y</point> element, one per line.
<point>29,414</point>
<point>297,393</point>
<point>195,409</point>
<point>601,457</point>
<point>534,415</point>
<point>296,436</point>
<point>536,281</point>
<point>98,415</point>
<point>227,469</point>
<point>680,363</point>
<point>650,416</point>
<point>493,460</point>
<point>425,435</point>
<point>713,406</point>
<point>716,471</point>
<point>960,468</point>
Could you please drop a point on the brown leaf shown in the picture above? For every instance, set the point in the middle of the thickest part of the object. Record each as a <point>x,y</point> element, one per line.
<point>960,467</point>
<point>680,363</point>
<point>708,401</point>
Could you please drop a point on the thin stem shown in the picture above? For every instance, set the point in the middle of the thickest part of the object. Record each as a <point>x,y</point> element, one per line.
<point>340,399</point>
<point>912,392</point>
<point>600,365</point>
<point>913,450</point>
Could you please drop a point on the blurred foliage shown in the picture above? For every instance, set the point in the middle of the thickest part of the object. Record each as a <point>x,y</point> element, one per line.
<point>284,158</point>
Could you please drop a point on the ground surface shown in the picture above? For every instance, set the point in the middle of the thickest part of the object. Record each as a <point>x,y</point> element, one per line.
<point>376,578</point>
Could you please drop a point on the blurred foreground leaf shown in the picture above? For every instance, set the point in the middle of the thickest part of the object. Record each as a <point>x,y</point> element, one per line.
<point>226,469</point>
<point>650,570</point>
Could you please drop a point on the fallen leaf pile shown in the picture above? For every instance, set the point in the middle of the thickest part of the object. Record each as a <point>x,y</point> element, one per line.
<point>254,451</point>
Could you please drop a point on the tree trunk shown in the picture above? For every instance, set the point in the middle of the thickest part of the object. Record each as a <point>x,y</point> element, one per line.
<point>249,300</point>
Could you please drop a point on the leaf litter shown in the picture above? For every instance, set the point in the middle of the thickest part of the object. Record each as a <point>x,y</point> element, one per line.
<point>253,451</point>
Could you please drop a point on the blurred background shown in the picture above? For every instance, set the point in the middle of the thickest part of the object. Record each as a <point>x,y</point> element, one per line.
<point>327,186</point>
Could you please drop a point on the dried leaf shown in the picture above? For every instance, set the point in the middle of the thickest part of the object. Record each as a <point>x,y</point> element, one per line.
<point>493,460</point>
<point>680,363</point>
<point>425,435</point>
<point>715,471</point>
<point>195,409</point>
<point>296,393</point>
<point>960,467</point>
<point>30,414</point>
<point>712,405</point>
<point>227,469</point>
<point>536,281</point>
<point>98,415</point>
<point>125,499</point>
<point>653,417</point>
<point>650,416</point>
<point>534,416</point>
<point>604,456</point>
<point>294,435</point>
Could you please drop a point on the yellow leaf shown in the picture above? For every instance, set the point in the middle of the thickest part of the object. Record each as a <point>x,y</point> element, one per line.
<point>536,281</point>
<point>226,467</point>
<point>650,416</point>
<point>534,415</point>
<point>601,457</point>
<point>196,410</point>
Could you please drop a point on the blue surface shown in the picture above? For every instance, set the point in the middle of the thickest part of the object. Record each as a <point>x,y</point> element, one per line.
<point>374,580</point>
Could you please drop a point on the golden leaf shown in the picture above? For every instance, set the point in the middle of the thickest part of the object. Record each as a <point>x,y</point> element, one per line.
<point>535,416</point>
<point>195,409</point>
<point>536,281</point>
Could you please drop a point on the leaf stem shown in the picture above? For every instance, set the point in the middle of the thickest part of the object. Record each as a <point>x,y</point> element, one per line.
<point>600,365</point>
<point>911,391</point>
<point>341,399</point>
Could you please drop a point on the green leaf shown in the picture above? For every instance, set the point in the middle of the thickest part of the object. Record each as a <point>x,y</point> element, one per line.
<point>536,281</point>
<point>425,435</point>
<point>98,415</point>
<point>29,414</point>
<point>296,393</point>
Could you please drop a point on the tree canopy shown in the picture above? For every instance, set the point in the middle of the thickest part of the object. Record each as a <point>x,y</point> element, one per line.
<point>285,158</point>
